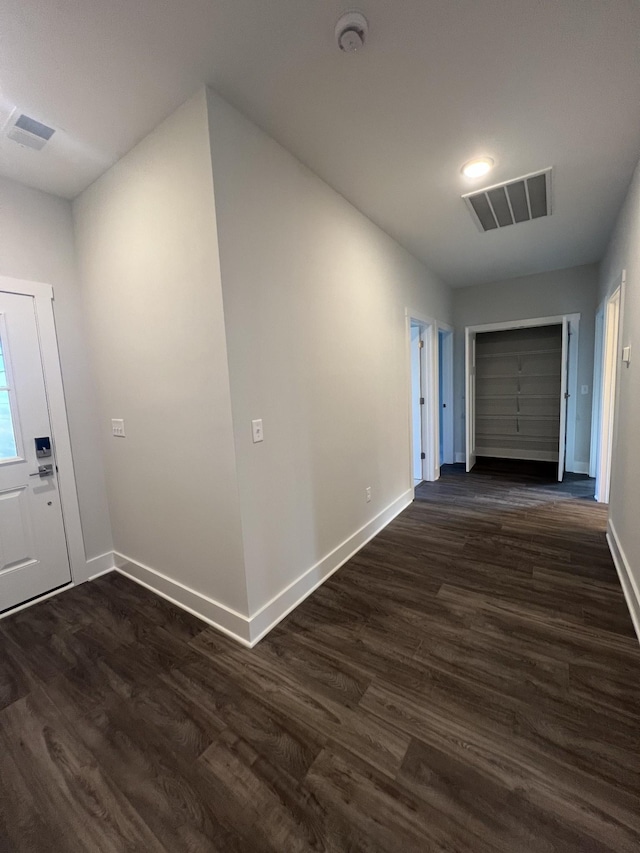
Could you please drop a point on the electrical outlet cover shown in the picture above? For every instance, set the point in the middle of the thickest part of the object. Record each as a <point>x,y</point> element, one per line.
<point>117,427</point>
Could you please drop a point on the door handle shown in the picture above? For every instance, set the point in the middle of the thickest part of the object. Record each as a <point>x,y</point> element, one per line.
<point>43,471</point>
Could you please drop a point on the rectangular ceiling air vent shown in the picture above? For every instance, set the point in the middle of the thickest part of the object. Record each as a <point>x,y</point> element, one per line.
<point>515,201</point>
<point>31,133</point>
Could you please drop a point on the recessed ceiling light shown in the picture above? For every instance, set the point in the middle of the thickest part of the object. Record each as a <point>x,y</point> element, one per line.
<point>477,168</point>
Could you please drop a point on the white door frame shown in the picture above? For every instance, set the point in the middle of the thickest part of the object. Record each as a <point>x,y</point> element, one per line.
<point>447,384</point>
<point>596,408</point>
<point>608,402</point>
<point>564,398</point>
<point>430,436</point>
<point>43,303</point>
<point>574,326</point>
<point>469,397</point>
<point>417,409</point>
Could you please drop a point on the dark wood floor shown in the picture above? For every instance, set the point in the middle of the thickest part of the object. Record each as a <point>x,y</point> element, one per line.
<point>469,682</point>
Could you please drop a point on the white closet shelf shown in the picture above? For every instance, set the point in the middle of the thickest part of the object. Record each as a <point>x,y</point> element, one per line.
<point>519,394</point>
<point>518,353</point>
<point>532,453</point>
<point>519,415</point>
<point>493,439</point>
<point>486,377</point>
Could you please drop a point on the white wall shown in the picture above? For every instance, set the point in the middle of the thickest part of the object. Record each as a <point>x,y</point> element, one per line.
<point>623,253</point>
<point>36,243</point>
<point>148,256</point>
<point>314,300</point>
<point>568,291</point>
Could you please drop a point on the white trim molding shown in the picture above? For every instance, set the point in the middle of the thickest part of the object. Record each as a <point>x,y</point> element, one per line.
<point>609,396</point>
<point>627,580</point>
<point>101,565</point>
<point>230,622</point>
<point>249,630</point>
<point>580,468</point>
<point>268,616</point>
<point>429,391</point>
<point>596,399</point>
<point>36,600</point>
<point>96,567</point>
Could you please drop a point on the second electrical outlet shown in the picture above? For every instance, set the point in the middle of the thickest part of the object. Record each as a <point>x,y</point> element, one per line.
<point>368,493</point>
<point>256,430</point>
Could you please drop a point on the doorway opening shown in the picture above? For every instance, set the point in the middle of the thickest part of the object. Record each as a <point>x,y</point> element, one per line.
<point>445,395</point>
<point>607,371</point>
<point>520,390</point>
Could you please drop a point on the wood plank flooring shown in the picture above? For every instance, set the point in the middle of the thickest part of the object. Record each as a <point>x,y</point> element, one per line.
<point>469,682</point>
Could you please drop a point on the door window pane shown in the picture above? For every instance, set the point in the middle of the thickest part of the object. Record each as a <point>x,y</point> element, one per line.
<point>3,374</point>
<point>8,448</point>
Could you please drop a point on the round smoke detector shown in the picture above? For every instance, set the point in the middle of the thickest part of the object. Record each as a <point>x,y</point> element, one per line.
<point>351,32</point>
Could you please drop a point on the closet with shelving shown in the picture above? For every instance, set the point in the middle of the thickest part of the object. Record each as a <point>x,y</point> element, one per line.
<point>518,384</point>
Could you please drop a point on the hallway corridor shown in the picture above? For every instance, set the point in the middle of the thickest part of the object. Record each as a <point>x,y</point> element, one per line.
<point>468,682</point>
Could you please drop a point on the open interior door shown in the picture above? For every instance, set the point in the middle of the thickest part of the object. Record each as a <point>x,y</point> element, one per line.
<point>470,397</point>
<point>564,397</point>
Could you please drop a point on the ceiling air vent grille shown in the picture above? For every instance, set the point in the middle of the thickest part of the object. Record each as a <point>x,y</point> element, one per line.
<point>516,201</point>
<point>31,133</point>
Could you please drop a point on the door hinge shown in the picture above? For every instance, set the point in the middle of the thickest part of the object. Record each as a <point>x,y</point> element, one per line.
<point>422,401</point>
<point>420,344</point>
<point>423,456</point>
<point>566,395</point>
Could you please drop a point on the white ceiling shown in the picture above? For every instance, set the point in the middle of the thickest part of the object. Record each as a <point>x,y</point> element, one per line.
<point>532,83</point>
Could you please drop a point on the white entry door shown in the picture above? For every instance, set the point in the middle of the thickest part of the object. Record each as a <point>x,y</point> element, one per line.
<point>33,548</point>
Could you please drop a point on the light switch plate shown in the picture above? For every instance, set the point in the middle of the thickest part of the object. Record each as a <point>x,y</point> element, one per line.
<point>256,430</point>
<point>117,427</point>
<point>585,389</point>
<point>626,355</point>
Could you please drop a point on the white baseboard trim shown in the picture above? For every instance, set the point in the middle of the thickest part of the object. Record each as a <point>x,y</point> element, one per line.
<point>37,600</point>
<point>218,615</point>
<point>627,580</point>
<point>461,457</point>
<point>95,568</point>
<point>102,565</point>
<point>250,630</point>
<point>274,611</point>
<point>579,468</point>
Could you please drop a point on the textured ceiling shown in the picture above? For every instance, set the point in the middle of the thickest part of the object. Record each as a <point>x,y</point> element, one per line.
<point>532,84</point>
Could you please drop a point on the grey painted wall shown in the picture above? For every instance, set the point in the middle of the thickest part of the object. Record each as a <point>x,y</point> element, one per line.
<point>148,256</point>
<point>314,299</point>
